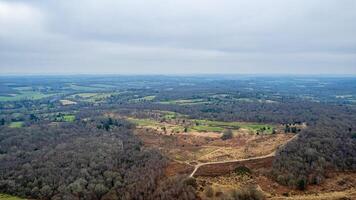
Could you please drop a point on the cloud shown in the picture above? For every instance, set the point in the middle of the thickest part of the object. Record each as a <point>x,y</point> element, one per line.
<point>159,36</point>
<point>18,20</point>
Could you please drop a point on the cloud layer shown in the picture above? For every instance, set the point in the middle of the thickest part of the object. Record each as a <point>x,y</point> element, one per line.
<point>185,36</point>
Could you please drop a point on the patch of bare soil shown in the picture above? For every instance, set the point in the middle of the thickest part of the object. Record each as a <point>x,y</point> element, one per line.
<point>175,168</point>
<point>203,134</point>
<point>245,147</point>
<point>218,169</point>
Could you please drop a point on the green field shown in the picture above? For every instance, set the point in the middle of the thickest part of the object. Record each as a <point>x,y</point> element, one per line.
<point>65,118</point>
<point>203,125</point>
<point>143,122</point>
<point>9,197</point>
<point>207,128</point>
<point>255,127</point>
<point>25,95</point>
<point>69,118</point>
<point>16,124</point>
<point>153,123</point>
<point>85,95</point>
<point>170,115</point>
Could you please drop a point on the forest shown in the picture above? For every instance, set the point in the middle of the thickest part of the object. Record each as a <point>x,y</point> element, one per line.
<point>83,160</point>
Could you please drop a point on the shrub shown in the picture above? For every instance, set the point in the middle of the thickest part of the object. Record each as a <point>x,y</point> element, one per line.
<point>227,134</point>
<point>302,184</point>
<point>209,191</point>
<point>353,136</point>
<point>242,170</point>
<point>248,193</point>
<point>191,181</point>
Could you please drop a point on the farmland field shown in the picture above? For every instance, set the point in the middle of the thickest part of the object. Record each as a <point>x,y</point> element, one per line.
<point>69,118</point>
<point>24,95</point>
<point>16,124</point>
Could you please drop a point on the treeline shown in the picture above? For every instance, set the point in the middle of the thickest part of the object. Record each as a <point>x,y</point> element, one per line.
<point>96,158</point>
<point>288,112</point>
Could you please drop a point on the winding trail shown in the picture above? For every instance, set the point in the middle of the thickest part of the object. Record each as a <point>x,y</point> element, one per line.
<point>196,167</point>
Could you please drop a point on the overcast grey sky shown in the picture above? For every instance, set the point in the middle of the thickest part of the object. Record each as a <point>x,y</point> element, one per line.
<point>178,36</point>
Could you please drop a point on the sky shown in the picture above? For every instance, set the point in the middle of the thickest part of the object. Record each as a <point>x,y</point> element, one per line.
<point>178,37</point>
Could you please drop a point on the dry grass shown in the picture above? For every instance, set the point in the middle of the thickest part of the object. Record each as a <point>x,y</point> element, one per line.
<point>196,147</point>
<point>339,195</point>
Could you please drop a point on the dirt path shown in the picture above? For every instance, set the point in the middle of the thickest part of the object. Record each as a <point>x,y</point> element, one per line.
<point>239,160</point>
<point>211,152</point>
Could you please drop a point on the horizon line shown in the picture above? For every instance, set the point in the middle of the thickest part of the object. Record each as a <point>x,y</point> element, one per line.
<point>178,74</point>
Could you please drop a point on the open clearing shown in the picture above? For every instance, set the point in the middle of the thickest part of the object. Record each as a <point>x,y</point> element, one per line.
<point>199,141</point>
<point>66,102</point>
<point>9,197</point>
<point>64,117</point>
<point>16,124</point>
<point>200,145</point>
<point>172,123</point>
<point>186,150</point>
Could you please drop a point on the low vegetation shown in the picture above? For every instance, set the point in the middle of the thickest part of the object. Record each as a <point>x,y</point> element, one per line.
<point>9,197</point>
<point>227,134</point>
<point>16,124</point>
<point>247,193</point>
<point>242,170</point>
<point>24,95</point>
